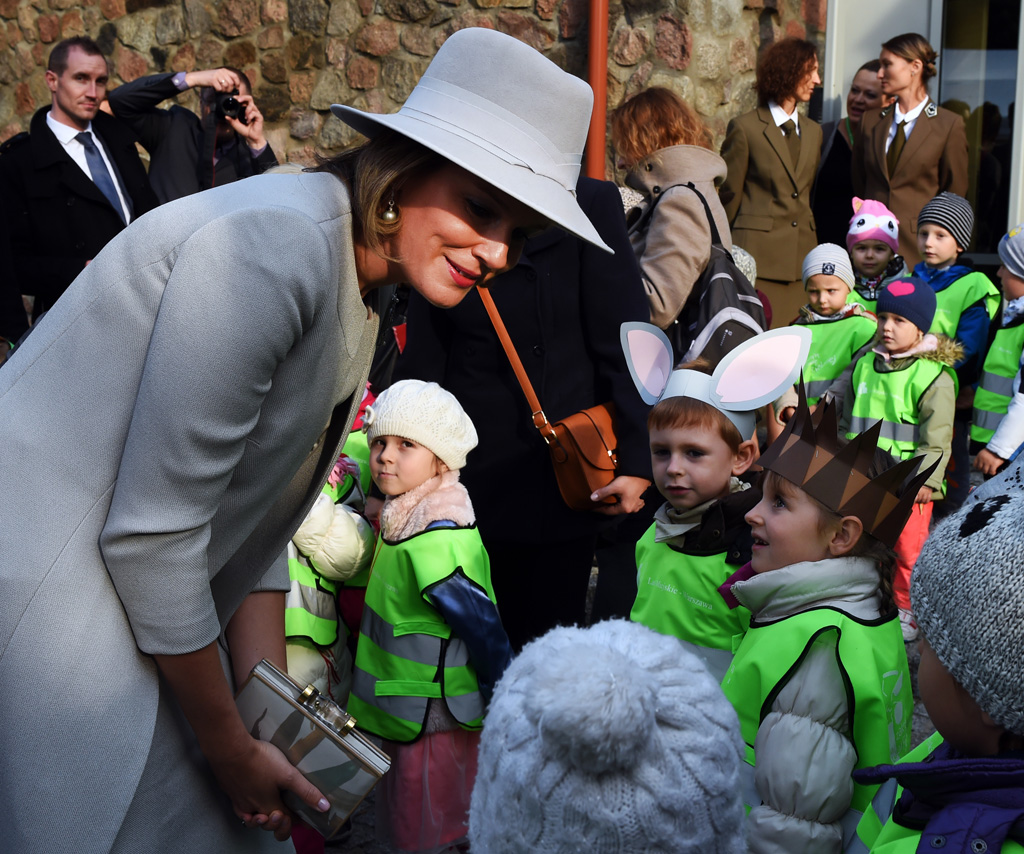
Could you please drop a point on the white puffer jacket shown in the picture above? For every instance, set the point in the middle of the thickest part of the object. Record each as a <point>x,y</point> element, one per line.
<point>805,754</point>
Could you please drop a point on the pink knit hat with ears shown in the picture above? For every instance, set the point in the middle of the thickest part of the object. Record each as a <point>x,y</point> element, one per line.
<point>872,220</point>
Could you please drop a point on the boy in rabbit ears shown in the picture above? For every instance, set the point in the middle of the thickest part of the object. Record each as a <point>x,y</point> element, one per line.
<point>701,449</point>
<point>820,680</point>
<point>873,244</point>
<point>431,644</point>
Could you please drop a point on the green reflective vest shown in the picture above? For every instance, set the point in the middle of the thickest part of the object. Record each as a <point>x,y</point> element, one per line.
<point>310,606</point>
<point>952,302</point>
<point>833,345</point>
<point>995,391</point>
<point>407,654</point>
<point>677,595</point>
<point>874,666</point>
<point>892,397</point>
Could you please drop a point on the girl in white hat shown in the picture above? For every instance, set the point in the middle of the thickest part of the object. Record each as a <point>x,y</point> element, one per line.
<point>431,644</point>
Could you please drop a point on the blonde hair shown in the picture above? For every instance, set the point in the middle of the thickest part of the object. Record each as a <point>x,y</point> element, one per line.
<point>374,172</point>
<point>911,46</point>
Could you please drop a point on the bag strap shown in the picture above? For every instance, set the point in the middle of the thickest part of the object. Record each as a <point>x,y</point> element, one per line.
<point>715,236</point>
<point>540,420</point>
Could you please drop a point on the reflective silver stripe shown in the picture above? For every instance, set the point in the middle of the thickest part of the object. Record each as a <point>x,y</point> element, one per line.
<point>909,433</point>
<point>457,654</point>
<point>849,823</point>
<point>364,687</point>
<point>997,384</point>
<point>317,602</point>
<point>467,707</point>
<point>816,388</point>
<point>987,420</point>
<point>884,801</point>
<point>717,661</point>
<point>419,648</point>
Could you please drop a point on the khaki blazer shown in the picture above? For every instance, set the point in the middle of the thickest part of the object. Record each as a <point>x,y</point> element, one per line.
<point>934,159</point>
<point>766,196</point>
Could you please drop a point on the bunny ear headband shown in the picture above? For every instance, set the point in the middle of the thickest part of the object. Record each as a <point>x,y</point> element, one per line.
<point>753,374</point>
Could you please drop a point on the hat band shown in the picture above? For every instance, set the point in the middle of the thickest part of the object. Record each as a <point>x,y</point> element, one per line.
<point>458,111</point>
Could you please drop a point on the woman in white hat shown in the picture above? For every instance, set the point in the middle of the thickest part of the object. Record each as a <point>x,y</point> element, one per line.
<point>202,373</point>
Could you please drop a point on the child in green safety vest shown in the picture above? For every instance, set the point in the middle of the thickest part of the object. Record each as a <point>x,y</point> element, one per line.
<point>907,383</point>
<point>998,421</point>
<point>841,331</point>
<point>701,448</point>
<point>431,644</point>
<point>873,241</point>
<point>964,795</point>
<point>966,305</point>
<point>820,681</point>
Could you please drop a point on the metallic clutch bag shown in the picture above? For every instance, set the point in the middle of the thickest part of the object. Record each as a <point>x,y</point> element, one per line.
<point>318,737</point>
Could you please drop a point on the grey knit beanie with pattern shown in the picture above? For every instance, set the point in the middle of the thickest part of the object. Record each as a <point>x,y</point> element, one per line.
<point>425,413</point>
<point>828,259</point>
<point>967,591</point>
<point>612,739</point>
<point>954,213</point>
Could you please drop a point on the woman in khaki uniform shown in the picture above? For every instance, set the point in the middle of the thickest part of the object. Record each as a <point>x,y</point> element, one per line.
<point>772,157</point>
<point>904,168</point>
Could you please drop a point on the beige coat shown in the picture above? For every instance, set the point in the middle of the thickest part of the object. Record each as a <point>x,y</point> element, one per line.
<point>669,231</point>
<point>767,197</point>
<point>934,159</point>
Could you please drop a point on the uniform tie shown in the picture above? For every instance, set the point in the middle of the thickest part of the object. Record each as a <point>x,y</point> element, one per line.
<point>896,148</point>
<point>100,174</point>
<point>792,140</point>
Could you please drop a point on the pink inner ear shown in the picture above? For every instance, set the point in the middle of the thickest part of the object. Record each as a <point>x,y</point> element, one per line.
<point>650,360</point>
<point>761,367</point>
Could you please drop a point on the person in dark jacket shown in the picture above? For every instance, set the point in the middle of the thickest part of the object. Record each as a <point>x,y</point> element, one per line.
<point>562,306</point>
<point>66,188</point>
<point>190,153</point>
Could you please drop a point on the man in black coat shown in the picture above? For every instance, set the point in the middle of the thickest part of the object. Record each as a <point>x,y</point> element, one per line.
<point>64,195</point>
<point>191,153</point>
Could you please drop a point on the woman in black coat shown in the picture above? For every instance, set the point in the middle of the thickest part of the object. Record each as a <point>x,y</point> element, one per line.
<point>562,306</point>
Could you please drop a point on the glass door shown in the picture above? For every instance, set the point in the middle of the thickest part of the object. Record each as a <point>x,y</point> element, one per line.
<point>978,79</point>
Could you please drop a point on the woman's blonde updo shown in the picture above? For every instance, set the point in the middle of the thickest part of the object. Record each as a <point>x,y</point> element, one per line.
<point>911,46</point>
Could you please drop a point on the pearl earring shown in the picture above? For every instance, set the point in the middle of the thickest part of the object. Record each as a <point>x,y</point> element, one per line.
<point>390,215</point>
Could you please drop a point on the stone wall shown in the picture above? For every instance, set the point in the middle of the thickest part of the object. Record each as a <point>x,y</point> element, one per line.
<point>304,55</point>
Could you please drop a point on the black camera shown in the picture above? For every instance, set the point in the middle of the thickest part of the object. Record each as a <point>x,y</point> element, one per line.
<point>227,106</point>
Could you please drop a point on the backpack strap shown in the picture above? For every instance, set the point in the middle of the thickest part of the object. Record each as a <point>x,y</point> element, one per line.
<point>715,236</point>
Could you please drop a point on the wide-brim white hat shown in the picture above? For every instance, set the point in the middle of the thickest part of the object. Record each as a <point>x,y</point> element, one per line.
<point>501,110</point>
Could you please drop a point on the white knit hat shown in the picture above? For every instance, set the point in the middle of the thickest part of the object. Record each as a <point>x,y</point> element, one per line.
<point>612,739</point>
<point>967,590</point>
<point>425,413</point>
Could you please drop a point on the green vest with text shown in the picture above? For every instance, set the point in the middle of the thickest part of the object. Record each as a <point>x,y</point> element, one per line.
<point>995,391</point>
<point>892,397</point>
<point>677,595</point>
<point>874,668</point>
<point>952,302</point>
<point>407,654</point>
<point>833,345</point>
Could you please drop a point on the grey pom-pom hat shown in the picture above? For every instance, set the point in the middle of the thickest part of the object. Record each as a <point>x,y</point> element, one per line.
<point>501,110</point>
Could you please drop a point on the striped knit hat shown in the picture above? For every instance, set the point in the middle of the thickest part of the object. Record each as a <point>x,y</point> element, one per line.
<point>953,213</point>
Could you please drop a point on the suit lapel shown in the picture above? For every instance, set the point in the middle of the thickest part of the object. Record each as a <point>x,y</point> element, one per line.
<point>777,141</point>
<point>806,149</point>
<point>881,135</point>
<point>917,138</point>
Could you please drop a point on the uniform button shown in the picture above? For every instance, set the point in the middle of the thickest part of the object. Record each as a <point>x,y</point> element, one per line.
<point>979,846</point>
<point>716,534</point>
<point>796,195</point>
<point>538,350</point>
<point>531,275</point>
<point>938,842</point>
<point>656,189</point>
<point>794,223</point>
<point>649,167</point>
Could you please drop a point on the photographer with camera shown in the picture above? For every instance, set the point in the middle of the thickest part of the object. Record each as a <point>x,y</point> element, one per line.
<point>189,153</point>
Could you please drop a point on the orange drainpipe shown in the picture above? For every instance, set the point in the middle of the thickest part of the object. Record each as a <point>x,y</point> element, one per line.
<point>597,72</point>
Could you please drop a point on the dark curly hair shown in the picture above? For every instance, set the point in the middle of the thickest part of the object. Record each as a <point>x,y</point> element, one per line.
<point>782,67</point>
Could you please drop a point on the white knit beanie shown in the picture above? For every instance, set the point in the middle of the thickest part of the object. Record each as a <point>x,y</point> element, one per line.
<point>828,259</point>
<point>425,413</point>
<point>612,739</point>
<point>967,591</point>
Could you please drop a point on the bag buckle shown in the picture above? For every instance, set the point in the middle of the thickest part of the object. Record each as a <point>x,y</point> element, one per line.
<point>542,422</point>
